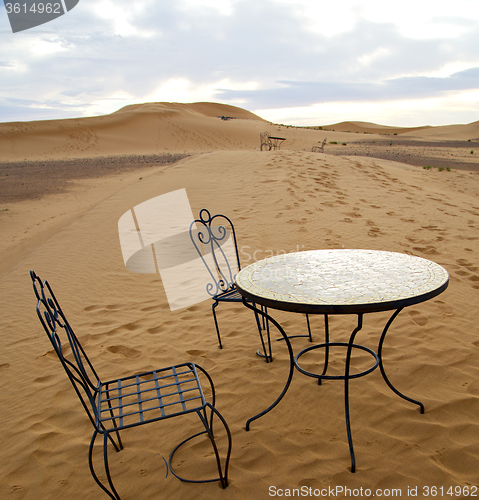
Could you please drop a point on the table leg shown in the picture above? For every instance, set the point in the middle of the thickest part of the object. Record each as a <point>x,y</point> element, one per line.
<point>267,354</point>
<point>291,361</point>
<point>326,350</point>
<point>381,367</point>
<point>346,391</point>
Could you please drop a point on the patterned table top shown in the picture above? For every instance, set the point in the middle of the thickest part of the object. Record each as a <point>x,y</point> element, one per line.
<point>341,281</point>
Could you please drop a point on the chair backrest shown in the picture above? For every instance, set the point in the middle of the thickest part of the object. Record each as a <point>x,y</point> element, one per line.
<point>78,367</point>
<point>214,238</point>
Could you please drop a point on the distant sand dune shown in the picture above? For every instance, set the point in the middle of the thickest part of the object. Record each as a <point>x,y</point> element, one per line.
<point>445,132</point>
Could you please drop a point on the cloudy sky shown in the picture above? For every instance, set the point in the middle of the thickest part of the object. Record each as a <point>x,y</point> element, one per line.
<point>302,62</point>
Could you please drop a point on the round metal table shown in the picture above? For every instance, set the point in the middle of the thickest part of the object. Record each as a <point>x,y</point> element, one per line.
<point>340,282</point>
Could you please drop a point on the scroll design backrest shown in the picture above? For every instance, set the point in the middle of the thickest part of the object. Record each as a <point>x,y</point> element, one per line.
<point>209,235</point>
<point>78,367</point>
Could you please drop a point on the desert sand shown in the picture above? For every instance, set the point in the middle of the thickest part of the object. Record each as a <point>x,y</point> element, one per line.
<point>93,170</point>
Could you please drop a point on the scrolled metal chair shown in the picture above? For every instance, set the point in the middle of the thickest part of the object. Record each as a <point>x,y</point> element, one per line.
<point>130,401</point>
<point>319,149</point>
<point>211,237</point>
<point>266,143</point>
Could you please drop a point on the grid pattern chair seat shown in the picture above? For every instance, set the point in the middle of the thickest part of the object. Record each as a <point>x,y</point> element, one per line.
<point>129,401</point>
<point>150,396</point>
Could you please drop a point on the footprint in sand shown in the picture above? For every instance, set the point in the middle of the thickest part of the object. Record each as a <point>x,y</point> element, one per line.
<point>154,330</point>
<point>4,366</point>
<point>247,445</point>
<point>124,351</point>
<point>44,380</point>
<point>428,250</point>
<point>444,308</point>
<point>196,352</point>
<point>92,308</point>
<point>475,279</point>
<point>307,431</point>
<point>374,231</point>
<point>417,318</point>
<point>355,213</point>
<point>53,355</point>
<point>150,308</point>
<point>113,307</point>
<point>463,262</point>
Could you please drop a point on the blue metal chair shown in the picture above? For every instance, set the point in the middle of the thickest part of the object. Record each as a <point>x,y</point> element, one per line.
<point>214,238</point>
<point>129,401</point>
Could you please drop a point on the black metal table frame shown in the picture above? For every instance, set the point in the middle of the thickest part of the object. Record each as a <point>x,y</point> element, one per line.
<point>347,376</point>
<point>276,142</point>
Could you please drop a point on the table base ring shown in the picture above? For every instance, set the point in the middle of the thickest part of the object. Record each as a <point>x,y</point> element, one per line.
<point>323,376</point>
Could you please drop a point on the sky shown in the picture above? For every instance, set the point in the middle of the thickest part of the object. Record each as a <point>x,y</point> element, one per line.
<point>296,62</point>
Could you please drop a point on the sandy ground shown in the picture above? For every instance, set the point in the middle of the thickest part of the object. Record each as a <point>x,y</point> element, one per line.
<point>280,201</point>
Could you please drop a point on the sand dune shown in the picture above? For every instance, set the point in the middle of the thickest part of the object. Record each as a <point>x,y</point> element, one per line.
<point>450,132</point>
<point>136,129</point>
<point>445,132</point>
<point>372,128</point>
<point>280,201</point>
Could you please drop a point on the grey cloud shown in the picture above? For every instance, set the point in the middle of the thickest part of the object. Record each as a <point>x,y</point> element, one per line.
<point>292,94</point>
<point>17,109</point>
<point>260,42</point>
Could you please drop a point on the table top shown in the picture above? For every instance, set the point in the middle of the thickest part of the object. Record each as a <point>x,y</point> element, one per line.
<point>341,281</point>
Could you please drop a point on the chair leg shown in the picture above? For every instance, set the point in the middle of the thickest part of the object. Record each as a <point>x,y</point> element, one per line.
<point>213,392</point>
<point>267,355</point>
<point>120,444</point>
<point>113,493</point>
<point>107,468</point>
<point>216,324</point>
<point>223,478</point>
